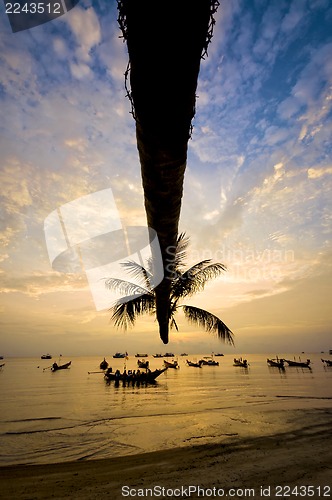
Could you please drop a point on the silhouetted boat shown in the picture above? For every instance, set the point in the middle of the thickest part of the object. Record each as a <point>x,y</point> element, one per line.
<point>141,363</point>
<point>196,365</point>
<point>301,364</point>
<point>219,354</point>
<point>184,354</point>
<point>120,355</point>
<point>240,362</point>
<point>103,365</point>
<point>328,362</point>
<point>168,355</point>
<point>158,355</point>
<point>2,364</point>
<point>171,364</point>
<point>55,367</point>
<point>141,355</point>
<point>277,363</point>
<point>144,377</point>
<point>209,362</point>
<point>45,356</point>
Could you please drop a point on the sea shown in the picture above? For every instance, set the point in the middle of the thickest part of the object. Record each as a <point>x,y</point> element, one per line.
<point>75,414</point>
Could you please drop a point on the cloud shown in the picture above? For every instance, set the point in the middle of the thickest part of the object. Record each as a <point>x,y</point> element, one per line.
<point>113,56</point>
<point>316,173</point>
<point>275,135</point>
<point>314,82</point>
<point>289,107</point>
<point>85,25</point>
<point>80,70</point>
<point>294,17</point>
<point>60,48</point>
<point>15,189</point>
<point>39,283</point>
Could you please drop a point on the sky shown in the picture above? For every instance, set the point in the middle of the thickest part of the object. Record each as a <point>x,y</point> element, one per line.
<point>257,192</point>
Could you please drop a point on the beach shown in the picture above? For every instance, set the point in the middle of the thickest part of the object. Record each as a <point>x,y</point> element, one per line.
<point>268,466</point>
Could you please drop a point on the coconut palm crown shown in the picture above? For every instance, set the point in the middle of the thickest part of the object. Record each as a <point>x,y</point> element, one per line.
<point>141,298</point>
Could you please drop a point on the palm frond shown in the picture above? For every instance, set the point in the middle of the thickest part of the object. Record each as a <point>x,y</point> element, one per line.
<point>209,322</point>
<point>173,324</point>
<point>149,265</point>
<point>125,287</point>
<point>195,278</point>
<point>181,250</point>
<point>139,297</point>
<point>139,272</point>
<point>125,313</point>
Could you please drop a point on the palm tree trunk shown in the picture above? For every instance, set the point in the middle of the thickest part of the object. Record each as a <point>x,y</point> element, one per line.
<point>166,39</point>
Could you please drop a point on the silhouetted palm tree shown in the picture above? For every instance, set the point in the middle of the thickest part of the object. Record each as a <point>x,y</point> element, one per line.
<point>141,298</point>
<point>166,42</point>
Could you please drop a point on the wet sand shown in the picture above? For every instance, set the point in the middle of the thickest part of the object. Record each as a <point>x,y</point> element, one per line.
<point>301,457</point>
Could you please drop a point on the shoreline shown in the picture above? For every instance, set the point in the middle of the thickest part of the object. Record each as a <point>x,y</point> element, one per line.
<point>300,457</point>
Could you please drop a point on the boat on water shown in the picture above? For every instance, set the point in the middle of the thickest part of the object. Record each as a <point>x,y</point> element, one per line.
<point>330,352</point>
<point>158,355</point>
<point>300,364</point>
<point>328,362</point>
<point>55,367</point>
<point>184,354</point>
<point>195,364</point>
<point>169,355</point>
<point>2,365</point>
<point>219,354</point>
<point>120,355</point>
<point>132,377</point>
<point>209,362</point>
<point>240,362</point>
<point>141,355</point>
<point>103,365</point>
<point>142,363</point>
<point>171,364</point>
<point>276,363</point>
<point>45,356</point>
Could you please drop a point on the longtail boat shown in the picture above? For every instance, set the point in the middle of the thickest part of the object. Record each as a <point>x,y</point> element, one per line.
<point>240,362</point>
<point>300,364</point>
<point>328,362</point>
<point>55,367</point>
<point>276,363</point>
<point>192,363</point>
<point>139,377</point>
<point>142,363</point>
<point>171,364</point>
<point>103,365</point>
<point>209,362</point>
